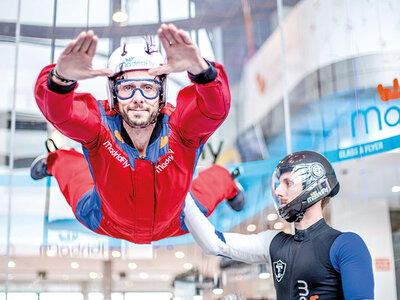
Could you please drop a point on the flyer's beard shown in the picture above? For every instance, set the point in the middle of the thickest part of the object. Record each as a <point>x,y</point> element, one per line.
<point>138,122</point>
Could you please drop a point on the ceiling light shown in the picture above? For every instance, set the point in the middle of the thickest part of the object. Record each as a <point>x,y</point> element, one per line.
<point>11,264</point>
<point>132,266</point>
<point>120,17</point>
<point>93,275</point>
<point>396,189</point>
<point>278,225</point>
<point>74,265</point>
<point>264,275</point>
<point>116,253</point>
<point>187,266</point>
<point>251,227</point>
<point>143,275</point>
<point>217,291</point>
<point>272,217</point>
<point>179,254</point>
<point>198,295</point>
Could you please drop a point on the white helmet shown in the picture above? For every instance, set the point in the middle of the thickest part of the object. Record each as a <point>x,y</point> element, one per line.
<point>134,57</point>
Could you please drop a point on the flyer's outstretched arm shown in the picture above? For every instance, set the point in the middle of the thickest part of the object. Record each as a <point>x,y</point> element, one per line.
<point>182,53</point>
<point>75,62</point>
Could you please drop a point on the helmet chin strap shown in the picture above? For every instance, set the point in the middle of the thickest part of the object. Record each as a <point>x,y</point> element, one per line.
<point>299,215</point>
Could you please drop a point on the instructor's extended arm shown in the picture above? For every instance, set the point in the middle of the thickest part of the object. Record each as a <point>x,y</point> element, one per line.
<point>252,248</point>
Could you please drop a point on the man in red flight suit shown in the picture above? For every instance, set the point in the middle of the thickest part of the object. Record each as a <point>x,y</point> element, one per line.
<point>140,151</point>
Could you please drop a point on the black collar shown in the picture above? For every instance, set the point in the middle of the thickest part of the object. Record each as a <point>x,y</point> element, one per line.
<point>304,234</point>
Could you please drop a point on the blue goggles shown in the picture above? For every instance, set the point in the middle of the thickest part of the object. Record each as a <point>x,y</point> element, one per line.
<point>126,88</point>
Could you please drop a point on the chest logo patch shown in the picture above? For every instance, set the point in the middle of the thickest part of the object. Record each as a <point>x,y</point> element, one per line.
<point>164,141</point>
<point>279,269</point>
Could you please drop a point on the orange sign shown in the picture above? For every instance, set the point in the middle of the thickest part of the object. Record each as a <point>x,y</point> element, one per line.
<point>382,264</point>
<point>387,94</point>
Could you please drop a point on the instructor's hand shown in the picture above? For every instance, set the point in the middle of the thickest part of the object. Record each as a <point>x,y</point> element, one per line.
<point>75,62</point>
<point>182,53</point>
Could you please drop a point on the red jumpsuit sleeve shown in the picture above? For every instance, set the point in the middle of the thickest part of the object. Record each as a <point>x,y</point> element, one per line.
<point>201,109</point>
<point>76,115</point>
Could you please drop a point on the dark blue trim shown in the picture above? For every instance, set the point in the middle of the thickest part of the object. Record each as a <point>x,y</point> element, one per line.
<point>220,235</point>
<point>182,215</point>
<point>88,210</point>
<point>224,256</point>
<point>198,153</point>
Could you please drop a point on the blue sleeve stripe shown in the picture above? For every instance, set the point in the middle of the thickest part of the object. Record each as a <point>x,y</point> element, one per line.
<point>220,235</point>
<point>350,257</point>
<point>203,210</point>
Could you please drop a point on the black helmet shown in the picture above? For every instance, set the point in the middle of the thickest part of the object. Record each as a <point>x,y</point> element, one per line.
<point>316,175</point>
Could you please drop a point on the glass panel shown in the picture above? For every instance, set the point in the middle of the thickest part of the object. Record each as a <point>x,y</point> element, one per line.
<point>8,11</point>
<point>19,296</point>
<point>96,296</point>
<point>74,13</point>
<point>117,296</point>
<point>37,12</point>
<point>100,296</point>
<point>205,46</point>
<point>99,13</point>
<point>61,296</point>
<point>28,69</point>
<point>169,12</point>
<point>141,11</point>
<point>7,53</point>
<point>148,296</point>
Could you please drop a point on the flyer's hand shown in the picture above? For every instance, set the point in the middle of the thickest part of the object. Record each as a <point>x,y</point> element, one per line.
<point>182,53</point>
<point>75,62</point>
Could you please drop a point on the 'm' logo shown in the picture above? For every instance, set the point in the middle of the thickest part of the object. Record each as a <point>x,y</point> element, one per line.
<point>279,269</point>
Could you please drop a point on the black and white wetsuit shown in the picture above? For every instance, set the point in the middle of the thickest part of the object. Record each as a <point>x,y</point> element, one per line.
<point>316,263</point>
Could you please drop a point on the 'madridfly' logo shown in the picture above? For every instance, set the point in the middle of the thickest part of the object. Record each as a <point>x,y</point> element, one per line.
<point>132,62</point>
<point>315,194</point>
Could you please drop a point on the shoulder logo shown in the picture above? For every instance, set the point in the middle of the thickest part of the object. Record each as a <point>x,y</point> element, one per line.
<point>279,269</point>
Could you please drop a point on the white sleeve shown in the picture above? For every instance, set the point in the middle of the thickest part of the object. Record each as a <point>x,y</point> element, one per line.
<point>248,248</point>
